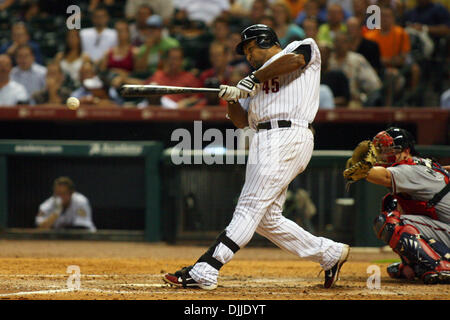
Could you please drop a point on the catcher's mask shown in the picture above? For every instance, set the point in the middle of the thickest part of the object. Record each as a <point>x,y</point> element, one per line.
<point>391,142</point>
<point>265,37</point>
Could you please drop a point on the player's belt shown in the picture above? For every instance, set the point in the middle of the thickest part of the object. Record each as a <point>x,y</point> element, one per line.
<point>268,125</point>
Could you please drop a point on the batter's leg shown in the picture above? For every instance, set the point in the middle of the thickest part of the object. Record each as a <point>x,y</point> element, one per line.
<point>292,238</point>
<point>266,178</point>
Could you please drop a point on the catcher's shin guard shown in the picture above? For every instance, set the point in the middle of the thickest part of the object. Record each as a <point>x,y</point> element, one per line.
<point>429,264</point>
<point>208,255</point>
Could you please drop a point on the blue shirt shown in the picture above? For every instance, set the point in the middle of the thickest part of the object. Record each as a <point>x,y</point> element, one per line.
<point>34,47</point>
<point>432,14</point>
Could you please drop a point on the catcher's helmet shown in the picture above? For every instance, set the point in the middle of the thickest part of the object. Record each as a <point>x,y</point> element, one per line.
<point>265,37</point>
<point>392,141</point>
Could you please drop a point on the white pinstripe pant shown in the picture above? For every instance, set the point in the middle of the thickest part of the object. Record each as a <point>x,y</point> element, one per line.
<point>276,157</point>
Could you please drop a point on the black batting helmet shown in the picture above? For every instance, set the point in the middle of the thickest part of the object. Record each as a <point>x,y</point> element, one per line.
<point>265,37</point>
<point>392,141</point>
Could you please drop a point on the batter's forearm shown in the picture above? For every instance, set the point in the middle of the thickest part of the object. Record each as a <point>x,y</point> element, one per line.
<point>283,65</point>
<point>237,115</point>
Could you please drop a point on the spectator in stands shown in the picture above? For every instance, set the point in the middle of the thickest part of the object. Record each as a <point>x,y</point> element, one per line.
<point>93,90</point>
<point>310,11</point>
<point>204,11</point>
<point>58,86</point>
<point>368,48</point>
<point>220,70</point>
<point>295,6</point>
<point>65,209</point>
<point>258,10</point>
<point>327,31</point>
<point>311,28</point>
<point>395,46</point>
<point>11,92</point>
<point>445,99</point>
<point>120,59</point>
<point>430,17</point>
<point>360,12</point>
<point>20,36</point>
<point>72,58</point>
<point>365,84</point>
<point>94,4</point>
<point>28,73</point>
<point>163,8</point>
<point>237,60</point>
<point>336,80</point>
<point>220,30</point>
<point>284,28</point>
<point>173,74</point>
<point>5,4</point>
<point>156,44</point>
<point>97,40</point>
<point>326,97</point>
<point>268,20</point>
<point>137,28</point>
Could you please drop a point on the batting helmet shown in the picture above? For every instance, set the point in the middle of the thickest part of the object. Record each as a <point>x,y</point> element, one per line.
<point>265,37</point>
<point>392,141</point>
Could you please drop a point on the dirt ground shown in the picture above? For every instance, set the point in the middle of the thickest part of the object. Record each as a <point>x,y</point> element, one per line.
<point>133,271</point>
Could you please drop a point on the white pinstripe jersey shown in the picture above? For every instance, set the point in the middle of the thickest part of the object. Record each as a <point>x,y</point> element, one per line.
<point>293,96</point>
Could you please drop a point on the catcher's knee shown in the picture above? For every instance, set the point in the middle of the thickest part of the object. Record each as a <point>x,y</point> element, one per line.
<point>406,240</point>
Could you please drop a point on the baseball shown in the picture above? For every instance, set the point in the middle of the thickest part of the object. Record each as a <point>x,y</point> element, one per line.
<point>73,103</point>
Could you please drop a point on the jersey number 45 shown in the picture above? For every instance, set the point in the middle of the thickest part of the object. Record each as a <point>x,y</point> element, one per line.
<point>272,85</point>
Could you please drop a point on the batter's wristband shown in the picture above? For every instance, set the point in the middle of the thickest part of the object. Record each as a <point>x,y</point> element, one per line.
<point>254,78</point>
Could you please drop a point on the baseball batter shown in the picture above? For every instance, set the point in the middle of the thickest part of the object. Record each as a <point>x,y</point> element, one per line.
<point>278,100</point>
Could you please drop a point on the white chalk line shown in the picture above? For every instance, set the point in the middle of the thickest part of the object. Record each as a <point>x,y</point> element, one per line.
<point>81,275</point>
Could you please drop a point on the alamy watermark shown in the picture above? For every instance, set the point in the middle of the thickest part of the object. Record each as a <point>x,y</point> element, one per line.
<point>374,280</point>
<point>74,20</point>
<point>74,279</point>
<point>225,148</point>
<point>374,19</point>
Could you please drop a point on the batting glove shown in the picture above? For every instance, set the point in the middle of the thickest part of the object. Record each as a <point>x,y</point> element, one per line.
<point>249,84</point>
<point>230,93</point>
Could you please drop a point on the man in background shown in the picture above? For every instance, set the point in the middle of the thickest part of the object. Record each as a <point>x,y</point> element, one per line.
<point>11,92</point>
<point>27,72</point>
<point>20,36</point>
<point>65,209</point>
<point>96,41</point>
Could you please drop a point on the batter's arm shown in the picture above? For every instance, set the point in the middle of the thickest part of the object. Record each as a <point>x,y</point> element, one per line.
<point>237,114</point>
<point>285,64</point>
<point>380,175</point>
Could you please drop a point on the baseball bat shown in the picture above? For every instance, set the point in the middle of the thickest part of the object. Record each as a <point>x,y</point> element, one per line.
<point>131,90</point>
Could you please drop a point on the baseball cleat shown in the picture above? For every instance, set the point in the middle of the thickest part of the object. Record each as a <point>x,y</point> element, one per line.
<point>442,277</point>
<point>332,275</point>
<point>400,270</point>
<point>181,278</point>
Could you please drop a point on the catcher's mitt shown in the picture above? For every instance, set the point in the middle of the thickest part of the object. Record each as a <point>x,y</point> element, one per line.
<point>363,158</point>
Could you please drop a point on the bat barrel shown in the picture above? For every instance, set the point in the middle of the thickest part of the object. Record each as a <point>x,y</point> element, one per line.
<point>129,90</point>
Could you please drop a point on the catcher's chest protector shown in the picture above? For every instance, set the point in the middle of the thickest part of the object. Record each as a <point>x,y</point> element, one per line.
<point>417,207</point>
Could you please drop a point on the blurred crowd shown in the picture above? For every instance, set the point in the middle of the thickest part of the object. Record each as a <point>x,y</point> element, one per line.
<point>404,62</point>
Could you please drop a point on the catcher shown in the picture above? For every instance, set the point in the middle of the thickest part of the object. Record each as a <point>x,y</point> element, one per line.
<point>415,215</point>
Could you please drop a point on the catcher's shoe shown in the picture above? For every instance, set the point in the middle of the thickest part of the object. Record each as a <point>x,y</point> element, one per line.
<point>181,278</point>
<point>399,270</point>
<point>433,277</point>
<point>332,275</point>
